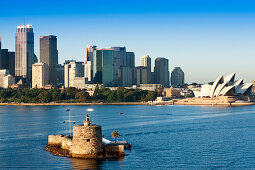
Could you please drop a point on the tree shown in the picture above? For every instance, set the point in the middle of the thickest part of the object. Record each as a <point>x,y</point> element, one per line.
<point>115,135</point>
<point>83,96</point>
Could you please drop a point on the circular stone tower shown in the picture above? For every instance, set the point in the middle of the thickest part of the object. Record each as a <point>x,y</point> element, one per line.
<point>87,140</point>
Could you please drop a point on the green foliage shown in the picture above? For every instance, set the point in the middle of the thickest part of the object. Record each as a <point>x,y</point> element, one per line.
<point>72,95</point>
<point>115,135</point>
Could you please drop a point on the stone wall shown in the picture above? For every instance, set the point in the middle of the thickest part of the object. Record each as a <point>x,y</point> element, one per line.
<point>87,140</point>
<point>114,149</point>
<point>62,140</point>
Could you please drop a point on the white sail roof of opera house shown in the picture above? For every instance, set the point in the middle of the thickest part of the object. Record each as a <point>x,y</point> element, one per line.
<point>224,87</point>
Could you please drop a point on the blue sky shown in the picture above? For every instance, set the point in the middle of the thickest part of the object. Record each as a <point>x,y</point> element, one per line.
<point>206,38</point>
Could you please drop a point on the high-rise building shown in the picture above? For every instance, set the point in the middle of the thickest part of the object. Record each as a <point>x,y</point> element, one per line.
<point>74,75</point>
<point>90,52</point>
<point>88,71</point>
<point>131,63</point>
<point>119,59</point>
<point>103,67</point>
<point>49,55</point>
<point>7,61</point>
<point>40,75</point>
<point>146,62</point>
<point>161,72</point>
<point>60,75</point>
<point>141,73</point>
<point>125,76</point>
<point>177,77</point>
<point>24,52</point>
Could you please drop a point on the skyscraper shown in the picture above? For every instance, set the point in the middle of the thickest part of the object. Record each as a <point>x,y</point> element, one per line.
<point>146,62</point>
<point>24,52</point>
<point>89,52</point>
<point>103,68</point>
<point>161,72</point>
<point>177,77</point>
<point>49,56</point>
<point>8,61</point>
<point>141,73</point>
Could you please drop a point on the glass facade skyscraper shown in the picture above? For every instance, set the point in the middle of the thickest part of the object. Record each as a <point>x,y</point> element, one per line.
<point>103,67</point>
<point>24,53</point>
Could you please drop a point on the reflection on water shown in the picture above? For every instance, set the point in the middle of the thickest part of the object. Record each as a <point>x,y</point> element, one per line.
<point>91,163</point>
<point>86,163</point>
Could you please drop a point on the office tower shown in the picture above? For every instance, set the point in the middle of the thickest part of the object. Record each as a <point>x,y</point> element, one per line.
<point>146,62</point>
<point>130,56</point>
<point>40,75</point>
<point>49,55</point>
<point>125,76</point>
<point>11,65</point>
<point>89,52</point>
<point>4,59</point>
<point>177,77</point>
<point>8,61</point>
<point>74,75</point>
<point>161,72</point>
<point>60,75</point>
<point>141,73</point>
<point>6,79</point>
<point>88,71</point>
<point>103,67</point>
<point>119,59</point>
<point>24,52</point>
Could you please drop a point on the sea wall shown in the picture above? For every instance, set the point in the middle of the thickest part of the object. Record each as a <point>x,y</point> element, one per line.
<point>114,149</point>
<point>64,141</point>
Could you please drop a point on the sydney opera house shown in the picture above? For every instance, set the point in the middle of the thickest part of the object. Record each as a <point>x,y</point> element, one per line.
<point>225,87</point>
<point>223,91</point>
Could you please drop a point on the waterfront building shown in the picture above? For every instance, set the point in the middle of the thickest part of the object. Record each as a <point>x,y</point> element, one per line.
<point>49,56</point>
<point>74,75</point>
<point>161,72</point>
<point>151,87</point>
<point>103,67</point>
<point>224,87</point>
<point>60,75</point>
<point>24,52</point>
<point>6,80</point>
<point>141,73</point>
<point>172,92</point>
<point>146,62</point>
<point>40,75</point>
<point>177,77</point>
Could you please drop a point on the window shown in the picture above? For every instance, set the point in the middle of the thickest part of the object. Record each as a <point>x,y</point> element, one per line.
<point>88,140</point>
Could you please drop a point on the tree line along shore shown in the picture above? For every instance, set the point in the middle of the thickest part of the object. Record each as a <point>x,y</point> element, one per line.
<point>74,95</point>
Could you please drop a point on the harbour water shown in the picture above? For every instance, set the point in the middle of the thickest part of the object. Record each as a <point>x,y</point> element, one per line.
<point>162,137</point>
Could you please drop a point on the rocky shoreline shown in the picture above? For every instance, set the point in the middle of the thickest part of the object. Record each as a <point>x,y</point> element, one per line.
<point>58,151</point>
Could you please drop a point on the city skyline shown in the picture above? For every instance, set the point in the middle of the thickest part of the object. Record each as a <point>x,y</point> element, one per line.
<point>197,38</point>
